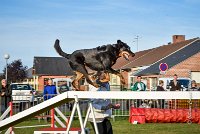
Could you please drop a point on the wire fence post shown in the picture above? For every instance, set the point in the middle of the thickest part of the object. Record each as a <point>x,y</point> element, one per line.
<point>52,118</point>
<point>11,113</point>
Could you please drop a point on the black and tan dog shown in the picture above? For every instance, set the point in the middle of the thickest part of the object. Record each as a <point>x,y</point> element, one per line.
<point>101,58</point>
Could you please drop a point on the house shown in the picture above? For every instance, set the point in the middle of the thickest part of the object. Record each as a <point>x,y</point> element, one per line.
<point>184,62</point>
<point>177,54</point>
<point>29,77</point>
<point>49,67</point>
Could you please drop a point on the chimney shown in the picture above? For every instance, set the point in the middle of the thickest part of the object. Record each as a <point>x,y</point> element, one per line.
<point>178,38</point>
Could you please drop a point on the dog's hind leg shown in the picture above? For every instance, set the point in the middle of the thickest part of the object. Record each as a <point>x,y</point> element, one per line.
<point>90,81</point>
<point>79,74</point>
<point>75,83</point>
<point>85,74</point>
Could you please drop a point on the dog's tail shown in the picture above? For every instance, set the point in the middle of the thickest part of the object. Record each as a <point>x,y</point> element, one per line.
<point>59,50</point>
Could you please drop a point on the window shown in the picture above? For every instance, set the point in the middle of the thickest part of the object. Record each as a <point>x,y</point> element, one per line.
<point>114,81</point>
<point>153,83</point>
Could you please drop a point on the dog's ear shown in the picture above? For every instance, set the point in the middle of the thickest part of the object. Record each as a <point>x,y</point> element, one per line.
<point>119,44</point>
<point>119,41</point>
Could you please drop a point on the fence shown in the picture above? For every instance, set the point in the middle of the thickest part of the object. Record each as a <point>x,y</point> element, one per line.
<point>21,103</point>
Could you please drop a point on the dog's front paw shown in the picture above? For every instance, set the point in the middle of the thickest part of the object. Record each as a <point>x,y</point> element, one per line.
<point>75,85</point>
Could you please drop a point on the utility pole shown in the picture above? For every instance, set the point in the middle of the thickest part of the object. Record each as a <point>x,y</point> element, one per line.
<point>137,37</point>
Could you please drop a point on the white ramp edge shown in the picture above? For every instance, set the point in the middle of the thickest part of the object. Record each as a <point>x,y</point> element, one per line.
<point>67,96</point>
<point>135,94</point>
<point>33,111</point>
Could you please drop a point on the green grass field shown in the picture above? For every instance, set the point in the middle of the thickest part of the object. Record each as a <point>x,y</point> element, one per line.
<point>122,126</point>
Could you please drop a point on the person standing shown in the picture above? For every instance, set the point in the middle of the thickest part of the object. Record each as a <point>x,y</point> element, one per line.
<point>102,107</point>
<point>49,90</point>
<point>139,85</point>
<point>32,97</point>
<point>5,94</point>
<point>175,85</point>
<point>160,86</point>
<point>161,102</point>
<point>193,86</point>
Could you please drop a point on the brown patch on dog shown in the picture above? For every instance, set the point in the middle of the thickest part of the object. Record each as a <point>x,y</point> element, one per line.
<point>75,83</point>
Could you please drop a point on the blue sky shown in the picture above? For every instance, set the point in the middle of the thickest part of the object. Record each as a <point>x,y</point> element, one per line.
<point>29,28</point>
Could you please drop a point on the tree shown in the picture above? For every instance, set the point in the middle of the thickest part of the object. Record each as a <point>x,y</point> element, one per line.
<point>16,71</point>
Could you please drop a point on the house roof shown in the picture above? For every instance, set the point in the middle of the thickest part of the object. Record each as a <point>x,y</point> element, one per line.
<point>29,72</point>
<point>174,59</point>
<point>156,54</point>
<point>52,66</point>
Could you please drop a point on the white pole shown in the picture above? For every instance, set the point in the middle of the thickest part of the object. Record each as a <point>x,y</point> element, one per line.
<point>91,110</point>
<point>6,56</point>
<point>93,117</point>
<point>71,117</point>
<point>80,116</point>
<point>6,69</point>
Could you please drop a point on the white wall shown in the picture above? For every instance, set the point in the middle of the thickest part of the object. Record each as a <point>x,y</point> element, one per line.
<point>195,76</point>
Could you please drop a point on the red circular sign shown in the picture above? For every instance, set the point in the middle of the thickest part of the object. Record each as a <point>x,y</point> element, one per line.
<point>163,66</point>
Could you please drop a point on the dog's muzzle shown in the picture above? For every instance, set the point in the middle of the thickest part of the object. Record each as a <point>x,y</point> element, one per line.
<point>125,55</point>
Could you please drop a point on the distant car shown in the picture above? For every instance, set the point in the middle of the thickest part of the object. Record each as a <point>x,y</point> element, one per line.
<point>63,88</point>
<point>21,92</point>
<point>66,84</point>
